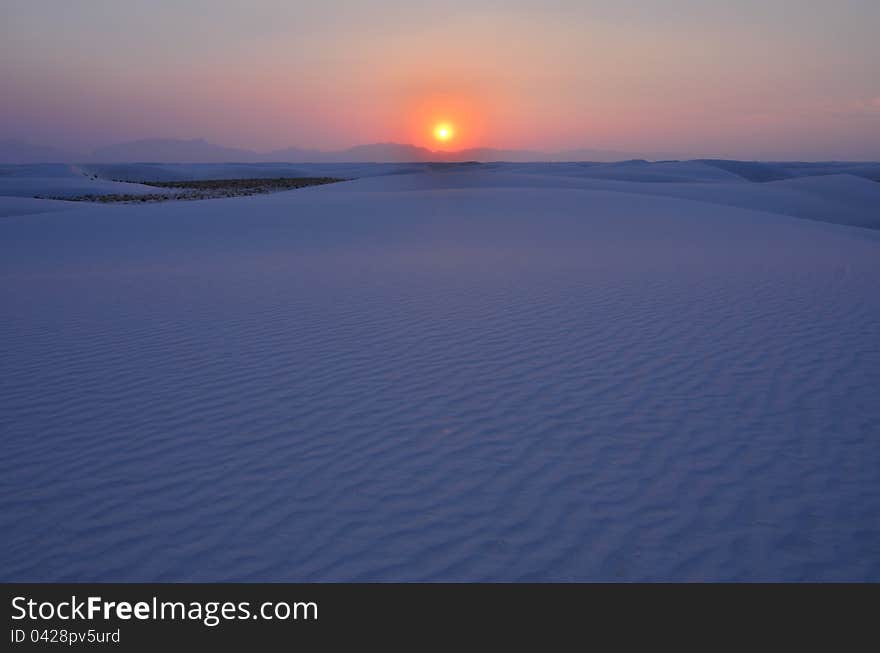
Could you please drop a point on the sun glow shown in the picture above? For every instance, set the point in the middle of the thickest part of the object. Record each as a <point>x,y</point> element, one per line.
<point>443,132</point>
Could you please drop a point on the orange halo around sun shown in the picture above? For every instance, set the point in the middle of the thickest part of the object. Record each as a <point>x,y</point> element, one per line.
<point>443,131</point>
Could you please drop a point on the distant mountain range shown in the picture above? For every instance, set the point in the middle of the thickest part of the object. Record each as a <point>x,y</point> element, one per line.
<point>200,151</point>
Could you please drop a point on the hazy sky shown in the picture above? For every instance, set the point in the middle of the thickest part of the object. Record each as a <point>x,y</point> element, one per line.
<point>739,78</point>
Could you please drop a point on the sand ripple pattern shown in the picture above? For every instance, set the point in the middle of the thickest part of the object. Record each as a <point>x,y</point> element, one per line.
<point>452,385</point>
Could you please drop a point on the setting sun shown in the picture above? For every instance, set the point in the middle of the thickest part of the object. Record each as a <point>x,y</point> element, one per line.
<point>443,132</point>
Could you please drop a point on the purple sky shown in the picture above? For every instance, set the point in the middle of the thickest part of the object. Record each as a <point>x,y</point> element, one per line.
<point>747,79</point>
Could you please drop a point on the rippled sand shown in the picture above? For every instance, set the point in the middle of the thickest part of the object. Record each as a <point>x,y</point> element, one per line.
<point>364,382</point>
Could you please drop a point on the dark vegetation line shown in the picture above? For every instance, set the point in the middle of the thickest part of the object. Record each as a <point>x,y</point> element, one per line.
<point>259,185</point>
<point>203,189</point>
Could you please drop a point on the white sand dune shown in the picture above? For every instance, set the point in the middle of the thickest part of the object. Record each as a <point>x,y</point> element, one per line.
<point>61,181</point>
<point>15,205</point>
<point>662,172</point>
<point>483,375</point>
<point>840,199</point>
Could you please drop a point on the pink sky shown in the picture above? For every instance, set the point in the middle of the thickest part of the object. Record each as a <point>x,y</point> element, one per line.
<point>772,79</point>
